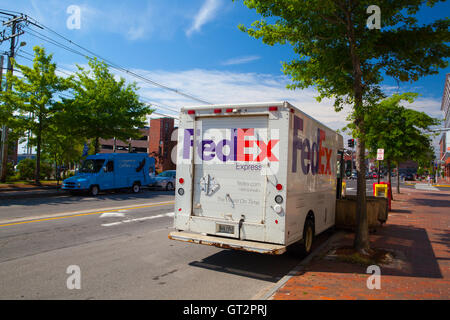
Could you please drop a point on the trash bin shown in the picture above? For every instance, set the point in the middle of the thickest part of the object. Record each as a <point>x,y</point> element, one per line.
<point>389,193</point>
<point>383,189</point>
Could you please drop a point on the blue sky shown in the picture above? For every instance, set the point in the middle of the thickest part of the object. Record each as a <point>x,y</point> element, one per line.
<point>195,46</point>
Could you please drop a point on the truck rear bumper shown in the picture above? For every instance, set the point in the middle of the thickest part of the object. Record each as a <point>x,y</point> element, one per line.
<point>227,243</point>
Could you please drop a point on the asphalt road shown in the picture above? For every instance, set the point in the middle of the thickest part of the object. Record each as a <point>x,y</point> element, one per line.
<point>122,253</point>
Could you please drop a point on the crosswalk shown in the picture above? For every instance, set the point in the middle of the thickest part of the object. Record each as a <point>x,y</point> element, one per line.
<point>423,186</point>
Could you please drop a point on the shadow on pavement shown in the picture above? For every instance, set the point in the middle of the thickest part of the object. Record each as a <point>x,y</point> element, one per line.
<point>66,198</point>
<point>255,265</point>
<point>413,254</point>
<point>433,203</point>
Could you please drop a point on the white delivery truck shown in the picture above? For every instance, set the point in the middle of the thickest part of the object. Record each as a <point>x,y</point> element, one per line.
<point>255,177</point>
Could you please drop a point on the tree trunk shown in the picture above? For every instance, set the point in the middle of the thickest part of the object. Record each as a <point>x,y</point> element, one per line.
<point>4,153</point>
<point>37,172</point>
<point>97,145</point>
<point>361,242</point>
<point>398,177</point>
<point>389,177</point>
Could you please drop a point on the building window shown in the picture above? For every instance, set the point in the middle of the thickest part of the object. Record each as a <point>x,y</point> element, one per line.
<point>140,150</point>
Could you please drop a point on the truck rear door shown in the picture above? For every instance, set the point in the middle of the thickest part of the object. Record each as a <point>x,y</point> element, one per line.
<point>229,176</point>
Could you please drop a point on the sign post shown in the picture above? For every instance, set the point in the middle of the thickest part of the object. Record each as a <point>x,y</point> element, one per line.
<point>380,157</point>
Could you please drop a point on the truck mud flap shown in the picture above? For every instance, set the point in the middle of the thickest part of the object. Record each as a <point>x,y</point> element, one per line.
<point>227,243</point>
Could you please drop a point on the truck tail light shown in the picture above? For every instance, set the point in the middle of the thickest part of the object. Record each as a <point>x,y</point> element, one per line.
<point>229,110</point>
<point>191,112</point>
<point>181,180</point>
<point>217,110</point>
<point>279,187</point>
<point>273,108</point>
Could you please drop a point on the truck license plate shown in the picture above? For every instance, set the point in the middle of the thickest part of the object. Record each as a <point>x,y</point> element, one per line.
<point>225,228</point>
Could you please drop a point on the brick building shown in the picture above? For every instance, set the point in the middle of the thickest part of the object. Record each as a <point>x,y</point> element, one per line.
<point>139,145</point>
<point>160,144</point>
<point>445,138</point>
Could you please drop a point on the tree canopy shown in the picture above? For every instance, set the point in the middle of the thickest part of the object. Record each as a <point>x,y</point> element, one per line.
<point>104,107</point>
<point>35,98</point>
<point>347,61</point>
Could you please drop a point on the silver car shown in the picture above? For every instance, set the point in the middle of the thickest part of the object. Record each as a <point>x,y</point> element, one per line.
<point>164,180</point>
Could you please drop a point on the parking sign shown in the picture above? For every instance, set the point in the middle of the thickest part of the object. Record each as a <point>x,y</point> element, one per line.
<point>380,154</point>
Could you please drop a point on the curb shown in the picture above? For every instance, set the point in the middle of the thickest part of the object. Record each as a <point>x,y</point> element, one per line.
<point>266,294</point>
<point>30,194</point>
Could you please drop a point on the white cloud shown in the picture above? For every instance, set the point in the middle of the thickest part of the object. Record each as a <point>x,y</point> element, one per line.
<point>240,60</point>
<point>206,13</point>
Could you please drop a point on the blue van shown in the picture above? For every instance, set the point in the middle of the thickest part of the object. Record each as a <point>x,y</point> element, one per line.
<point>108,171</point>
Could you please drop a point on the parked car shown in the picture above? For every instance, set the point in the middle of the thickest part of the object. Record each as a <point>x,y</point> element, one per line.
<point>374,175</point>
<point>409,177</point>
<point>164,180</point>
<point>354,176</point>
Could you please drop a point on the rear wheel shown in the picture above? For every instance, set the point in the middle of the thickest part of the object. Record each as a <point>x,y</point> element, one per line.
<point>136,188</point>
<point>303,247</point>
<point>94,190</point>
<point>169,186</point>
<point>308,236</point>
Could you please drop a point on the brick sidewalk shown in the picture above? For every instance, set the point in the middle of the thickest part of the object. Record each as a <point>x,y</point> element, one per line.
<point>417,231</point>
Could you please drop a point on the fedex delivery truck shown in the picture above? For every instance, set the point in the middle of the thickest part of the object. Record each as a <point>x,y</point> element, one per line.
<point>255,177</point>
<point>108,171</point>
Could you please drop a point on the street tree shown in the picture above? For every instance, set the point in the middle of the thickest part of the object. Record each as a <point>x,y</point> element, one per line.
<point>345,56</point>
<point>104,107</point>
<point>403,133</point>
<point>61,145</point>
<point>34,98</point>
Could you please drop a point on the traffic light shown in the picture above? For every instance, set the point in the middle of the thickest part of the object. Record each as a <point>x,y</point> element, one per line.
<point>351,143</point>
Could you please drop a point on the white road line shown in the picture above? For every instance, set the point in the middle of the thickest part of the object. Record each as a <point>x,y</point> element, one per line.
<point>168,214</point>
<point>117,214</point>
<point>421,186</point>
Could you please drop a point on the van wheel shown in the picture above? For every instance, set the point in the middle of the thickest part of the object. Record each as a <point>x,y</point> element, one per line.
<point>169,186</point>
<point>94,190</point>
<point>308,236</point>
<point>136,188</point>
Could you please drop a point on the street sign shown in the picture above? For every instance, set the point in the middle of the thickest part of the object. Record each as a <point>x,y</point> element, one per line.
<point>380,154</point>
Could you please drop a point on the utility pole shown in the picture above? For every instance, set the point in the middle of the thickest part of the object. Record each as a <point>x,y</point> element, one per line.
<point>16,30</point>
<point>5,129</point>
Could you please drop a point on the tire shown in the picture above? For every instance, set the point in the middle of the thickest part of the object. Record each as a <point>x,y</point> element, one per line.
<point>308,237</point>
<point>94,190</point>
<point>169,186</point>
<point>136,188</point>
<point>302,248</point>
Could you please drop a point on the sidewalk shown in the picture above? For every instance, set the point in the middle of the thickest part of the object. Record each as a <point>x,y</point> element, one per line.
<point>418,234</point>
<point>30,191</point>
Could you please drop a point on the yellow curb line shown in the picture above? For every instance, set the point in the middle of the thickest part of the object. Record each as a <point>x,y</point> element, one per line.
<point>85,214</point>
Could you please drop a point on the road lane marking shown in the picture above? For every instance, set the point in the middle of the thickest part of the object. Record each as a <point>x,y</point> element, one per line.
<point>158,204</point>
<point>118,214</point>
<point>168,214</point>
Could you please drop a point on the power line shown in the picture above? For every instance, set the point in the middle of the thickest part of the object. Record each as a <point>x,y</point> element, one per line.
<point>141,97</point>
<point>110,63</point>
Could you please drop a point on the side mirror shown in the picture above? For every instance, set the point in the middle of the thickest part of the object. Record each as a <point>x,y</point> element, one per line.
<point>105,169</point>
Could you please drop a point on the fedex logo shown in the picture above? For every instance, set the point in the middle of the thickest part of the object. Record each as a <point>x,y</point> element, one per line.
<point>238,147</point>
<point>312,153</point>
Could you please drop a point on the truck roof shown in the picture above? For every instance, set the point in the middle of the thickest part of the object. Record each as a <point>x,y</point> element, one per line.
<point>255,105</point>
